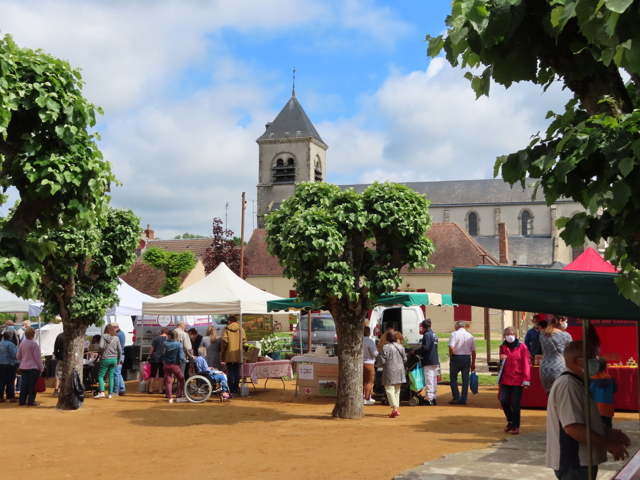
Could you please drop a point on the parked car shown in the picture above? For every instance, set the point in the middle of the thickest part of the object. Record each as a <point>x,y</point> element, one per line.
<point>323,333</point>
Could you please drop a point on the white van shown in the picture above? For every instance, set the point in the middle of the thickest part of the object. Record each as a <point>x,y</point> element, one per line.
<point>406,320</point>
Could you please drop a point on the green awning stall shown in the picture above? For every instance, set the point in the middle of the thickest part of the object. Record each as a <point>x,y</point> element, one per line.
<point>587,295</point>
<point>406,299</point>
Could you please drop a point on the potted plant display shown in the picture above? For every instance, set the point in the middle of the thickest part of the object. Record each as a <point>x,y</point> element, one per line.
<point>270,345</point>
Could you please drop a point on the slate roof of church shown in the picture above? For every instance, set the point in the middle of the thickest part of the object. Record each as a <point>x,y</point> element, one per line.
<point>526,251</point>
<point>494,191</point>
<point>291,122</point>
<point>454,248</point>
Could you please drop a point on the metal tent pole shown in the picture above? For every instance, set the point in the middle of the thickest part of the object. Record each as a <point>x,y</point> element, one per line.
<point>587,396</point>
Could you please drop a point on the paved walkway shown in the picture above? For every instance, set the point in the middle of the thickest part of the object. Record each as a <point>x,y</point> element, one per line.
<point>518,457</point>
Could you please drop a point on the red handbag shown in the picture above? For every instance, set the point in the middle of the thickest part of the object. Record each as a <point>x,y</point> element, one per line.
<point>41,386</point>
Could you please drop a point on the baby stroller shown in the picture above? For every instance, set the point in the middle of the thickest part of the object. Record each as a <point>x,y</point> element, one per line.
<point>90,372</point>
<point>406,393</point>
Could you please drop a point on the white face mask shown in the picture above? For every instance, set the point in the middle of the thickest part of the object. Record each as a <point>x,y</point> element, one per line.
<point>563,324</point>
<point>510,338</point>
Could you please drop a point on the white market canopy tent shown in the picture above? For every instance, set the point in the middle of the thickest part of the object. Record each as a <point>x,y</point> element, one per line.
<point>130,302</point>
<point>10,303</point>
<point>219,293</point>
<point>46,337</point>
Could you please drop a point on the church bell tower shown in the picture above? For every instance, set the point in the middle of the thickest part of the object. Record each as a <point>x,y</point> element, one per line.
<point>290,151</point>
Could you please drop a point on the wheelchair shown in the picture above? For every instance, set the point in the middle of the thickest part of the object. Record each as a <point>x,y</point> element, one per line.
<point>199,387</point>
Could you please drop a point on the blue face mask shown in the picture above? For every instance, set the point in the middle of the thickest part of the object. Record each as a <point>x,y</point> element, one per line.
<point>10,328</point>
<point>593,366</point>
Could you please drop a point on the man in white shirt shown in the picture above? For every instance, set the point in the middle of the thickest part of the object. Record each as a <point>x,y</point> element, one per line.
<point>462,350</point>
<point>369,354</point>
<point>567,452</point>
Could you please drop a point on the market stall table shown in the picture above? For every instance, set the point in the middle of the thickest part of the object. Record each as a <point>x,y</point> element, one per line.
<point>625,399</point>
<point>319,375</point>
<point>272,369</point>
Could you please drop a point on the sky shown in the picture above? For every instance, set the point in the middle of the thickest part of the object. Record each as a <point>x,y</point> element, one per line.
<point>188,85</point>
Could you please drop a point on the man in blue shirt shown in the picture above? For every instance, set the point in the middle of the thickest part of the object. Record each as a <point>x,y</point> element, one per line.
<point>119,387</point>
<point>532,338</point>
<point>8,366</point>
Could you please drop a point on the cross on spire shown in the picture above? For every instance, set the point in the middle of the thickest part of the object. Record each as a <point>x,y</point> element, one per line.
<point>293,90</point>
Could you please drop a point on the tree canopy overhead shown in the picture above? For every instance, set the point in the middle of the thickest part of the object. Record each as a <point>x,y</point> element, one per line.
<point>48,155</point>
<point>344,250</point>
<point>591,151</point>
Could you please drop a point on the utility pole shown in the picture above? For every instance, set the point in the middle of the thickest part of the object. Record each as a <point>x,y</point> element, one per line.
<point>244,207</point>
<point>253,210</point>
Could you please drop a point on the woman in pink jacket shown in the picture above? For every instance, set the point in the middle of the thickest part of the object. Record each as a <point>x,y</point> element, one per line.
<point>514,356</point>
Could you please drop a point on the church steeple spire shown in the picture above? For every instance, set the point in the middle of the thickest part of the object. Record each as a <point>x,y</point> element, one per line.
<point>293,89</point>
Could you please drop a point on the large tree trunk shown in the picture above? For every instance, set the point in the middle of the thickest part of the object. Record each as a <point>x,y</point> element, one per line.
<point>349,327</point>
<point>74,332</point>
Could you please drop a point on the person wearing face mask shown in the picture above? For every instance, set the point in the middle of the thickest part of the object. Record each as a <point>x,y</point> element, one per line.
<point>515,376</point>
<point>553,340</point>
<point>567,452</point>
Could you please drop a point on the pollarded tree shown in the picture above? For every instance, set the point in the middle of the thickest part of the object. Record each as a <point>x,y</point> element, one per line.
<point>59,241</point>
<point>81,278</point>
<point>224,248</point>
<point>591,151</point>
<point>173,265</point>
<point>344,250</point>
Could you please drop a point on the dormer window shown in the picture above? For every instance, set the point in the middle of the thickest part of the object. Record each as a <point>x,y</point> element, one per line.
<point>284,171</point>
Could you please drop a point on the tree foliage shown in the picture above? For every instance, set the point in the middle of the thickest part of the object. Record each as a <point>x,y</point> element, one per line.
<point>173,265</point>
<point>344,250</point>
<point>224,248</point>
<point>187,235</point>
<point>591,151</point>
<point>61,241</point>
<point>47,154</point>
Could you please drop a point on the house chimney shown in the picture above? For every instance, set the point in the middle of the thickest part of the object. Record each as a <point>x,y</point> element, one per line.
<point>503,243</point>
<point>149,233</point>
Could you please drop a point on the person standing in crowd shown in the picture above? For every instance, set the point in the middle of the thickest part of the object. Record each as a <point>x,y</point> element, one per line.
<point>393,376</point>
<point>30,368</point>
<point>25,324</point>
<point>119,388</point>
<point>462,350</point>
<point>532,338</point>
<point>111,351</point>
<point>196,340</point>
<point>567,452</point>
<point>213,343</point>
<point>58,354</point>
<point>515,376</point>
<point>187,349</point>
<point>233,339</point>
<point>370,352</point>
<point>155,359</point>
<point>383,337</point>
<point>603,386</point>
<point>9,326</point>
<point>553,341</point>
<point>173,357</point>
<point>430,361</point>
<point>8,366</point>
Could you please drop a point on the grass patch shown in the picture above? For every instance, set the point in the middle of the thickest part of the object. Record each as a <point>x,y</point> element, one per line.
<point>481,347</point>
<point>486,380</point>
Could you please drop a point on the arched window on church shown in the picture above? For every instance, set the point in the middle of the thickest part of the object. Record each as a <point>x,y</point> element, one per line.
<point>472,224</point>
<point>526,223</point>
<point>318,170</point>
<point>284,172</point>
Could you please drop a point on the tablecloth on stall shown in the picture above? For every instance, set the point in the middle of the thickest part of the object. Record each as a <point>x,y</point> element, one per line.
<point>625,399</point>
<point>272,369</point>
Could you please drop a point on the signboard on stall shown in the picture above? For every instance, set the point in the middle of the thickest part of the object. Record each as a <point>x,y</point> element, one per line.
<point>318,379</point>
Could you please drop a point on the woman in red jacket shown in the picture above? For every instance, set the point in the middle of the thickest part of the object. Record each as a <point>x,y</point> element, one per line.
<point>513,378</point>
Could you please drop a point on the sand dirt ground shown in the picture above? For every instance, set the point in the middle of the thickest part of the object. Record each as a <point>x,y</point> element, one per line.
<point>269,435</point>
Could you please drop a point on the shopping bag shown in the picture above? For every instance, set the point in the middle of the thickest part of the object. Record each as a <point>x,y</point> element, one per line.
<point>473,383</point>
<point>416,378</point>
<point>501,368</point>
<point>41,386</point>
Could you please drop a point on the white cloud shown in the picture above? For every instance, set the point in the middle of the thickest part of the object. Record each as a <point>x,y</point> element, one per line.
<point>435,129</point>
